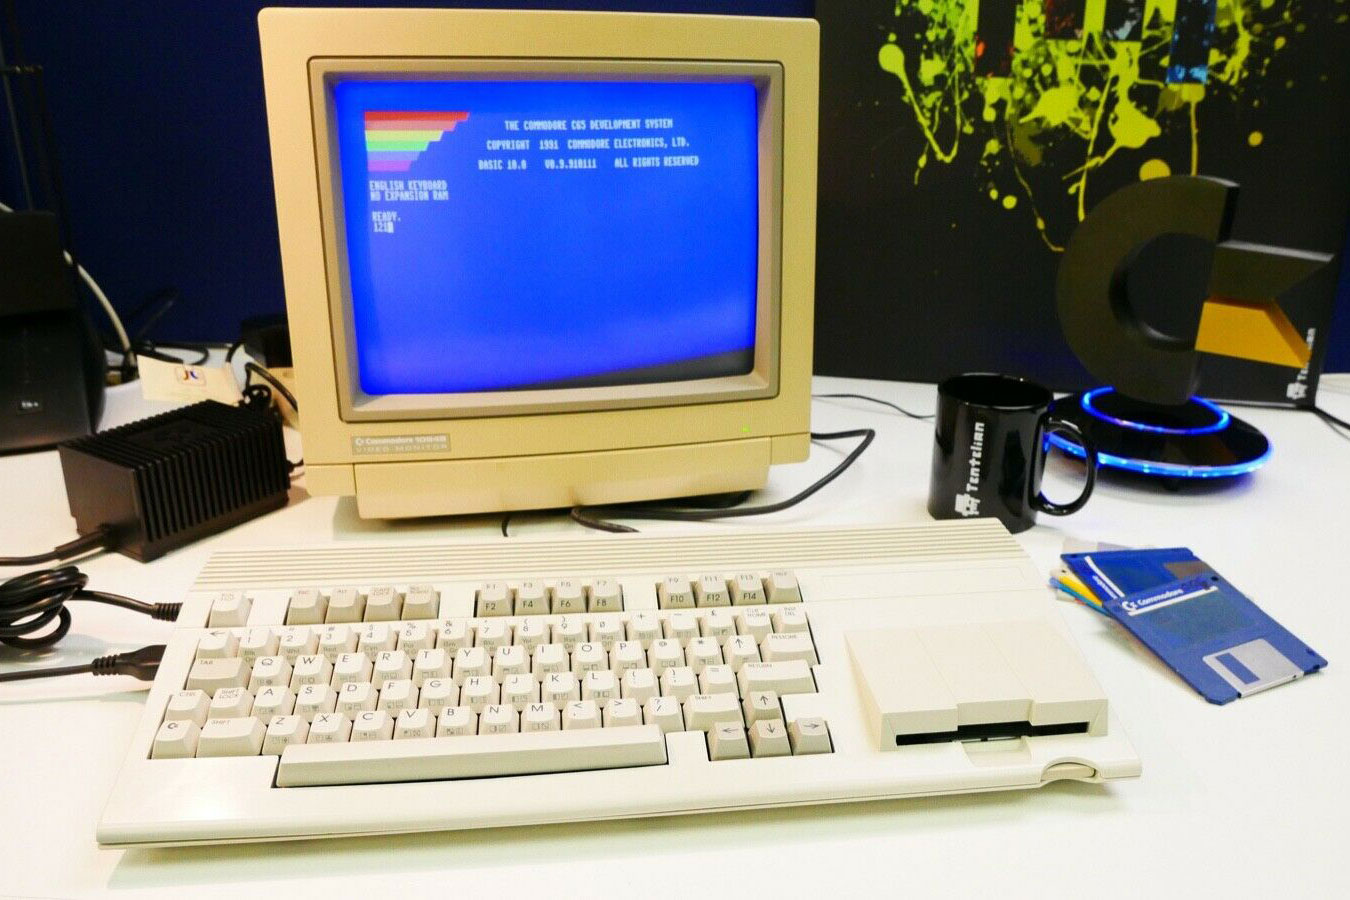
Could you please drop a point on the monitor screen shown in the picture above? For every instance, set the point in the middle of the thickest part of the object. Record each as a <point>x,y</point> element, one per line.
<point>538,233</point>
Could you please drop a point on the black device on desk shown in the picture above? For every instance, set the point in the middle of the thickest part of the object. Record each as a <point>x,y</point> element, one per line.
<point>51,365</point>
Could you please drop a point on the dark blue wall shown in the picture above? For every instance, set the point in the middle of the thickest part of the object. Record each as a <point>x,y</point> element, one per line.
<point>158,108</point>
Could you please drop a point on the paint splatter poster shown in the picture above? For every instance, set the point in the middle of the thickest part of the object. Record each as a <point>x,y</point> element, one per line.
<point>962,141</point>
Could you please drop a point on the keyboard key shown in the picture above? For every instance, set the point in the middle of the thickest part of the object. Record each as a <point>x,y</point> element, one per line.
<point>769,737</point>
<point>664,713</point>
<point>548,659</point>
<point>241,736</point>
<point>605,596</point>
<point>679,682</point>
<point>415,636</point>
<point>790,620</point>
<point>375,637</point>
<point>559,687</point>
<point>478,691</point>
<point>792,677</point>
<point>539,717</point>
<point>703,651</point>
<point>754,622</point>
<point>588,657</point>
<point>188,706</point>
<point>282,732</point>
<point>607,631</point>
<point>532,599</point>
<point>580,714</point>
<point>703,711</point>
<point>485,756</point>
<point>518,690</point>
<point>638,684</point>
<point>781,587</point>
<point>740,650</point>
<point>600,687</point>
<point>507,661</point>
<point>760,706</point>
<point>674,592</point>
<point>569,597</point>
<point>210,675</point>
<point>307,606</point>
<point>498,718</point>
<point>314,699</point>
<point>494,599</point>
<point>329,728</point>
<point>372,725</point>
<point>627,655</point>
<point>176,739</point>
<point>793,645</point>
<point>717,680</point>
<point>470,662</point>
<point>414,723</point>
<point>718,624</point>
<point>530,634</point>
<point>619,713</point>
<point>681,627</point>
<point>335,639</point>
<point>273,701</point>
<point>421,602</point>
<point>727,741</point>
<point>490,635</point>
<point>310,669</point>
<point>344,605</point>
<point>269,671</point>
<point>456,721</point>
<point>296,641</point>
<point>351,667</point>
<point>644,627</point>
<point>664,654</point>
<point>438,693</point>
<point>357,697</point>
<point>257,642</point>
<point>229,608</point>
<point>383,604</point>
<point>218,644</point>
<point>809,735</point>
<point>433,663</point>
<point>454,636</point>
<point>390,665</point>
<point>746,590</point>
<point>397,695</point>
<point>569,633</point>
<point>711,590</point>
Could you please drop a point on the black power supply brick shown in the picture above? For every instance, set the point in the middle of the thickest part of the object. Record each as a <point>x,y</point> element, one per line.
<point>171,479</point>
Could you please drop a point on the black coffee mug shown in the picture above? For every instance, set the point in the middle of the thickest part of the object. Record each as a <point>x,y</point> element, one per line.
<point>989,450</point>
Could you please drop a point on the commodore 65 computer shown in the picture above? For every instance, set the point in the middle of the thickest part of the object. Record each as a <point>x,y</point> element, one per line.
<point>555,260</point>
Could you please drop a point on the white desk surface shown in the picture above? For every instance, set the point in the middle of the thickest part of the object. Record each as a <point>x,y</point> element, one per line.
<point>1249,799</point>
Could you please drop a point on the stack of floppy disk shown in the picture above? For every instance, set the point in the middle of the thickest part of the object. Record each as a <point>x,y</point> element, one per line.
<point>1203,628</point>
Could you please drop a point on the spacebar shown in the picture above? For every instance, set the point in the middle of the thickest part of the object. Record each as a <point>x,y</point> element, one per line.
<point>471,756</point>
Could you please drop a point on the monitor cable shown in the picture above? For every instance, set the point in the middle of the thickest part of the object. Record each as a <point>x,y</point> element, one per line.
<point>598,517</point>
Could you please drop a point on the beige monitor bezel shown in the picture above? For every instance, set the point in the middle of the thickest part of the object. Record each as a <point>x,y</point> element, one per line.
<point>355,405</point>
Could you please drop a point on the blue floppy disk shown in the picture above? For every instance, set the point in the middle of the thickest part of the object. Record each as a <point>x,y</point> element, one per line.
<point>1115,573</point>
<point>1213,636</point>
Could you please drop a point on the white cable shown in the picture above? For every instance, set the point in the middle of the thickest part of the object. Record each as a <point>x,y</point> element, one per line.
<point>97,292</point>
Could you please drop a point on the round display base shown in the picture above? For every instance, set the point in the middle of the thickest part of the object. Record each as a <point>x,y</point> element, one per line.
<point>1194,440</point>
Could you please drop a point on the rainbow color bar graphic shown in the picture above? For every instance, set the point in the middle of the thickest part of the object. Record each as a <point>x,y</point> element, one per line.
<point>395,138</point>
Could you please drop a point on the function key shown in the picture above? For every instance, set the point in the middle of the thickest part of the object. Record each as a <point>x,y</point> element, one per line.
<point>494,599</point>
<point>674,592</point>
<point>746,590</point>
<point>711,590</point>
<point>532,599</point>
<point>605,596</point>
<point>569,596</point>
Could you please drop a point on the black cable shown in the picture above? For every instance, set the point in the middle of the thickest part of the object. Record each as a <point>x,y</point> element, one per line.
<point>234,348</point>
<point>95,540</point>
<point>583,516</point>
<point>142,664</point>
<point>252,368</point>
<point>32,601</point>
<point>1332,421</point>
<point>899,409</point>
<point>506,520</point>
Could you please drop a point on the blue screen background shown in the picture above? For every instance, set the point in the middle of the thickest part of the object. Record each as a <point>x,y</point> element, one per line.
<point>534,277</point>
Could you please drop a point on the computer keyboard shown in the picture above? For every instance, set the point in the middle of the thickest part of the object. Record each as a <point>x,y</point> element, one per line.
<point>353,690</point>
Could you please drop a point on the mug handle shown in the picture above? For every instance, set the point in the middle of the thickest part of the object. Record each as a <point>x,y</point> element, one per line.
<point>1049,423</point>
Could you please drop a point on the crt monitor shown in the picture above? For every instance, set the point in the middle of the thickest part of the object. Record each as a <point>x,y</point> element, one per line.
<point>539,259</point>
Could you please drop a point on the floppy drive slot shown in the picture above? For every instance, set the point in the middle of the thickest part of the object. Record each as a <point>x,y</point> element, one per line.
<point>973,682</point>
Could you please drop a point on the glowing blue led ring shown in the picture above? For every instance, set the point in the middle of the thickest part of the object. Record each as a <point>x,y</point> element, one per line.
<point>1220,415</point>
<point>1174,470</point>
